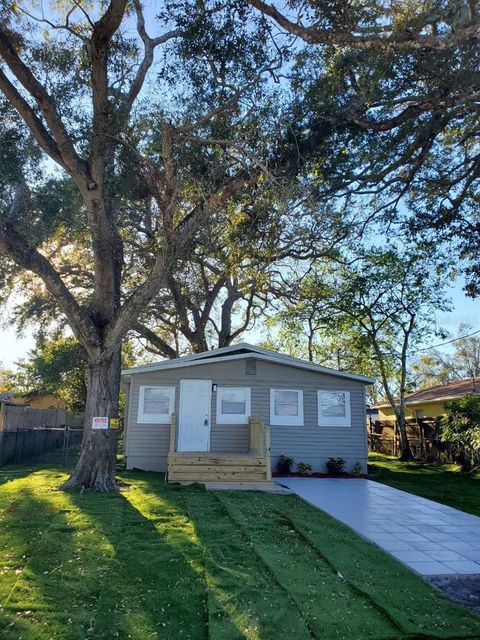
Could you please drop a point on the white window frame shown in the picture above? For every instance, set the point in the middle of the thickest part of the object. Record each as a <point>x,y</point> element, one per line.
<point>288,421</point>
<point>330,421</point>
<point>234,418</point>
<point>155,418</point>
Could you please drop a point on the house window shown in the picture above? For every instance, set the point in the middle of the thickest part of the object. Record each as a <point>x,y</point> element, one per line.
<point>334,409</point>
<point>233,405</point>
<point>419,414</point>
<point>286,407</point>
<point>155,404</point>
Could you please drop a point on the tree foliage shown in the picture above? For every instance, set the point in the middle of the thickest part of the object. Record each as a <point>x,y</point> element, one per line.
<point>57,367</point>
<point>461,426</point>
<point>404,77</point>
<point>377,306</point>
<point>436,367</point>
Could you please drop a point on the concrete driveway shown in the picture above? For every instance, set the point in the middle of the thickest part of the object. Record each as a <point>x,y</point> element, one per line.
<point>428,537</point>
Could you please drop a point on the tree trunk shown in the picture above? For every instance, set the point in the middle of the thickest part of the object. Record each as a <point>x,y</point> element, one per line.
<point>406,454</point>
<point>96,466</point>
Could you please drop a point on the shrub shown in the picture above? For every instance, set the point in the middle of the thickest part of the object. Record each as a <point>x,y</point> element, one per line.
<point>335,465</point>
<point>304,468</point>
<point>284,464</point>
<point>357,469</point>
<point>461,427</point>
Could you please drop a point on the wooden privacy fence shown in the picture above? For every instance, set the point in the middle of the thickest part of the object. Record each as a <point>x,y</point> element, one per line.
<point>14,417</point>
<point>26,433</point>
<point>22,445</point>
<point>425,443</point>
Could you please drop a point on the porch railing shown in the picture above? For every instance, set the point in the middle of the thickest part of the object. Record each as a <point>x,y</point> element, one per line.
<point>173,431</point>
<point>259,441</point>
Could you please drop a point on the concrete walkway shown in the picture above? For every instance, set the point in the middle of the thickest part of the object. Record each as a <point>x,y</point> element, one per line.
<point>428,537</point>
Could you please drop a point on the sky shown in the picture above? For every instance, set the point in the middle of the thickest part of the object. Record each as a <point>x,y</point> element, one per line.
<point>464,311</point>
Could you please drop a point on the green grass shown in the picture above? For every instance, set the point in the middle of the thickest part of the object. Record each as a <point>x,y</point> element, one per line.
<point>173,563</point>
<point>443,483</point>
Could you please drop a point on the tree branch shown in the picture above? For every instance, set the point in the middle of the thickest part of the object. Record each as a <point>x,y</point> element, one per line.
<point>103,32</point>
<point>149,45</point>
<point>33,122</point>
<point>14,245</point>
<point>159,343</point>
<point>69,157</point>
<point>389,40</point>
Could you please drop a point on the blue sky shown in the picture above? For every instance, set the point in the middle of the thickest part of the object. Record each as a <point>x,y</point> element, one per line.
<point>464,311</point>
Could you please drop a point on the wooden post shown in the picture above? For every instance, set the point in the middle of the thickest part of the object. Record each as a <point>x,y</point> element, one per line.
<point>173,423</point>
<point>250,433</point>
<point>255,439</point>
<point>423,451</point>
<point>267,453</point>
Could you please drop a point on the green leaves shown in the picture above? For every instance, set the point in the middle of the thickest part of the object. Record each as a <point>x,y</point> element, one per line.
<point>461,423</point>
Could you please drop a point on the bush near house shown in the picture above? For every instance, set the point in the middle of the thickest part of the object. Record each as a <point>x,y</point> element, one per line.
<point>284,464</point>
<point>336,465</point>
<point>304,468</point>
<point>461,427</point>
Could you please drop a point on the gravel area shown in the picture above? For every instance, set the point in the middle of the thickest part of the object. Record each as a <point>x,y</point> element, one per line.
<point>462,589</point>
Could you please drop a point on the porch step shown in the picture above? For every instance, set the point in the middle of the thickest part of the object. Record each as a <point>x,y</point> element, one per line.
<point>216,468</point>
<point>211,459</point>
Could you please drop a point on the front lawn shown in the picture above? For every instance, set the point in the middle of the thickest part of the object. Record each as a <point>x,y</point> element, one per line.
<point>443,483</point>
<point>169,562</point>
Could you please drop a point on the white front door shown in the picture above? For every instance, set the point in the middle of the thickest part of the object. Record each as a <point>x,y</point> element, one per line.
<point>194,415</point>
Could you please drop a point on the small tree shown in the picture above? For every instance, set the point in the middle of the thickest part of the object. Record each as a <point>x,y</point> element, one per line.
<point>57,367</point>
<point>8,380</point>
<point>383,300</point>
<point>461,427</point>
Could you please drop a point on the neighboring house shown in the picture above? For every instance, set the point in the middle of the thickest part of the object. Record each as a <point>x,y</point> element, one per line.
<point>33,400</point>
<point>429,403</point>
<point>229,404</point>
<point>38,400</point>
<point>6,397</point>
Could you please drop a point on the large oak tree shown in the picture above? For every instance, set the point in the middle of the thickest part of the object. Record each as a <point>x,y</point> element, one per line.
<point>405,78</point>
<point>79,82</point>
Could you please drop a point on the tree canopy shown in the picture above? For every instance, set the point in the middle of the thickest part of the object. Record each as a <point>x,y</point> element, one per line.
<point>163,172</point>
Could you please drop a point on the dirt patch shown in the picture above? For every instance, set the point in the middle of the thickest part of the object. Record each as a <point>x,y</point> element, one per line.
<point>462,589</point>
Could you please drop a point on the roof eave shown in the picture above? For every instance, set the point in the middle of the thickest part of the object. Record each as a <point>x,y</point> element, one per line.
<point>259,354</point>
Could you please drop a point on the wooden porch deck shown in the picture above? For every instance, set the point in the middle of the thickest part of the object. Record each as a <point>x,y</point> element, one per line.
<point>207,466</point>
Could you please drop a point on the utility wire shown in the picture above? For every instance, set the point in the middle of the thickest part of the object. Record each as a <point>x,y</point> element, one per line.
<point>434,346</point>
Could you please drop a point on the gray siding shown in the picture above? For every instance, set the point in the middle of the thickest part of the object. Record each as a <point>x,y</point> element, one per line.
<point>146,445</point>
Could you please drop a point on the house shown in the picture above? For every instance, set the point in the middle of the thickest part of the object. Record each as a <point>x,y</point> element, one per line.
<point>429,403</point>
<point>39,400</point>
<point>228,414</point>
<point>32,400</point>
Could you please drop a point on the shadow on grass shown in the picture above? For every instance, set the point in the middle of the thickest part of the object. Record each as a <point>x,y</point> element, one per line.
<point>39,594</point>
<point>86,565</point>
<point>166,562</point>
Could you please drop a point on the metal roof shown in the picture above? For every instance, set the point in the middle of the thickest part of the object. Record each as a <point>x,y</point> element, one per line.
<point>241,351</point>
